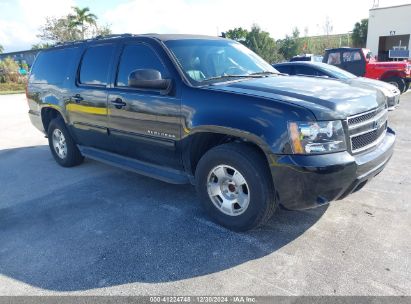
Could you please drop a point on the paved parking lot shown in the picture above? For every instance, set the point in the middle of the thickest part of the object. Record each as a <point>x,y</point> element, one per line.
<point>98,230</point>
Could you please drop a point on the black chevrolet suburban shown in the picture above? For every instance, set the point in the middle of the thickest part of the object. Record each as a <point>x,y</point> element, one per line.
<point>210,112</point>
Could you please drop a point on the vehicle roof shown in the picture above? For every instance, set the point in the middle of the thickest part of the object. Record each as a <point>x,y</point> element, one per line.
<point>167,37</point>
<point>114,37</point>
<point>343,48</point>
<point>311,63</point>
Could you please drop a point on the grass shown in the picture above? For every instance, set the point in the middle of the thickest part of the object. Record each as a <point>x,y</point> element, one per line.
<point>12,88</point>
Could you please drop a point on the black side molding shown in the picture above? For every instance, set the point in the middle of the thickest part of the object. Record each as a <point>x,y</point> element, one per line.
<point>162,173</point>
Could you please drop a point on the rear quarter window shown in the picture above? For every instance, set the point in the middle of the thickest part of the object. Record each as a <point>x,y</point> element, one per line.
<point>52,67</point>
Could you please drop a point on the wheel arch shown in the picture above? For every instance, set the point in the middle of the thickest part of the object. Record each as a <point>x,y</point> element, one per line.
<point>48,113</point>
<point>393,73</point>
<point>201,139</point>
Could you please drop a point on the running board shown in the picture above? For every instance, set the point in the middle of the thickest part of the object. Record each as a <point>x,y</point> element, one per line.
<point>164,174</point>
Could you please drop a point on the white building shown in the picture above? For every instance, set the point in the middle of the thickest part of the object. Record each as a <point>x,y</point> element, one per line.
<point>389,28</point>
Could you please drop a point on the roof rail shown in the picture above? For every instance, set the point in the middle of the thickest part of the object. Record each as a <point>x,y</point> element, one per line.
<point>112,36</point>
<point>100,37</point>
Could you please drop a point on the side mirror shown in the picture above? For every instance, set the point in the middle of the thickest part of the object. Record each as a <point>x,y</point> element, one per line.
<point>149,80</point>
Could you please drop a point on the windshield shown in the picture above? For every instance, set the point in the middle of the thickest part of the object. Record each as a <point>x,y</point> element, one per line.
<point>368,54</point>
<point>337,72</point>
<point>205,61</point>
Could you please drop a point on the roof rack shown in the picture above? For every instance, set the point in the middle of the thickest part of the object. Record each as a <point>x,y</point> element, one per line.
<point>100,37</point>
<point>112,36</point>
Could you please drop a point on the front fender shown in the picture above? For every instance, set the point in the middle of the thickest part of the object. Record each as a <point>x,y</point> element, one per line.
<point>261,121</point>
<point>393,73</point>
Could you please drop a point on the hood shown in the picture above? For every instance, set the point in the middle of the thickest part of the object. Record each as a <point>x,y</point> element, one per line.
<point>327,99</point>
<point>388,89</point>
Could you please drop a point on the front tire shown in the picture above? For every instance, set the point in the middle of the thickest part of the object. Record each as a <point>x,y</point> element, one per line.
<point>235,186</point>
<point>62,145</point>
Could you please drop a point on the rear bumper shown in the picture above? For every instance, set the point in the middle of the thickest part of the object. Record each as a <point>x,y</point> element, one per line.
<point>305,182</point>
<point>35,119</point>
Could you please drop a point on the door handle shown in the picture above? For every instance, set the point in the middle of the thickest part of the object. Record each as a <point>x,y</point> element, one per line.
<point>118,103</point>
<point>77,98</point>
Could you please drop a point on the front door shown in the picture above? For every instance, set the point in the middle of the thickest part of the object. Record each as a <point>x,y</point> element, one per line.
<point>353,61</point>
<point>87,105</point>
<point>143,124</point>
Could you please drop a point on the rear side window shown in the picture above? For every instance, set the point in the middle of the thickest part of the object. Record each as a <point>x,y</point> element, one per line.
<point>95,65</point>
<point>135,57</point>
<point>52,67</point>
<point>334,58</point>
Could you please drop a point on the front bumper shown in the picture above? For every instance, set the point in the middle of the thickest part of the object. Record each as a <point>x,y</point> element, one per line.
<point>307,181</point>
<point>393,101</point>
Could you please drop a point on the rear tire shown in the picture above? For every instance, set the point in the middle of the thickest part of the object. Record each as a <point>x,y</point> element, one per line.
<point>62,145</point>
<point>237,176</point>
<point>397,82</point>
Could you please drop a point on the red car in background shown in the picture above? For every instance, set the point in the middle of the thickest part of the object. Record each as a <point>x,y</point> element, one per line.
<point>360,62</point>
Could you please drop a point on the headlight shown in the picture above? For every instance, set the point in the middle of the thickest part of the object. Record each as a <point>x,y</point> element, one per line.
<point>317,137</point>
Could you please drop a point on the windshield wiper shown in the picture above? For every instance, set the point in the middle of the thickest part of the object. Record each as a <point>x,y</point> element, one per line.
<point>251,75</point>
<point>265,73</point>
<point>229,76</point>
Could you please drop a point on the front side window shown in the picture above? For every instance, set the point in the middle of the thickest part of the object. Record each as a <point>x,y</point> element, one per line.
<point>136,57</point>
<point>351,56</point>
<point>204,60</point>
<point>95,65</point>
<point>334,58</point>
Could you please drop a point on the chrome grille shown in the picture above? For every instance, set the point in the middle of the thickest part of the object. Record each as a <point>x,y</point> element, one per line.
<point>367,129</point>
<point>359,119</point>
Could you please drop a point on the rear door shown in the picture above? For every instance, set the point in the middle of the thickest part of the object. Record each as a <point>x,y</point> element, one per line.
<point>353,61</point>
<point>87,107</point>
<point>143,124</point>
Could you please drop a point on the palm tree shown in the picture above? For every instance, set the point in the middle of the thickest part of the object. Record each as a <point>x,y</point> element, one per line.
<point>1,49</point>
<point>82,18</point>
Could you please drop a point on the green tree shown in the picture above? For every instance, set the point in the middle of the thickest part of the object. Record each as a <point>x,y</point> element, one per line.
<point>237,34</point>
<point>82,20</point>
<point>261,43</point>
<point>58,30</point>
<point>40,46</point>
<point>290,46</point>
<point>103,30</point>
<point>78,25</point>
<point>359,33</point>
<point>1,49</point>
<point>9,70</point>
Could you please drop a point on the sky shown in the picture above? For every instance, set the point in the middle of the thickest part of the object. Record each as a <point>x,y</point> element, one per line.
<point>20,20</point>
